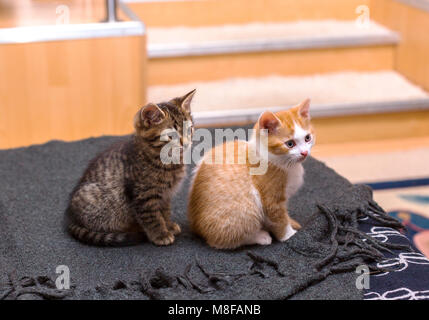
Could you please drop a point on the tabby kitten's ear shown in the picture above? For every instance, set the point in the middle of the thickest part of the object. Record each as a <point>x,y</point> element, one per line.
<point>148,116</point>
<point>185,101</point>
<point>269,121</point>
<point>304,109</point>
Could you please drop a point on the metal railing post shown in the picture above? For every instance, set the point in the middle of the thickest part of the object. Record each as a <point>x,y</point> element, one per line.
<point>111,13</point>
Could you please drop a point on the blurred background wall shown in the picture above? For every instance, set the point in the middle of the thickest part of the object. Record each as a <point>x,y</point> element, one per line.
<point>66,74</point>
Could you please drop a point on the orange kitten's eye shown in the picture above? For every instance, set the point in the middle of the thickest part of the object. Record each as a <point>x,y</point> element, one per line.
<point>290,144</point>
<point>308,138</point>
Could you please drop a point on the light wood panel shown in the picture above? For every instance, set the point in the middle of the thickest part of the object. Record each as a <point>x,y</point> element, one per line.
<point>70,89</point>
<point>215,12</point>
<point>374,127</point>
<point>365,147</point>
<point>301,62</point>
<point>344,134</point>
<point>412,53</point>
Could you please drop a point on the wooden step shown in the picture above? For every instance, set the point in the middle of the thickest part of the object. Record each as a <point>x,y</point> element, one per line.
<point>347,106</point>
<point>411,19</point>
<point>68,81</point>
<point>257,37</point>
<point>216,12</point>
<point>259,49</point>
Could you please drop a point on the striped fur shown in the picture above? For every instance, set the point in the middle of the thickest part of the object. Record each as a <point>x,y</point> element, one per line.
<point>125,193</point>
<point>104,238</point>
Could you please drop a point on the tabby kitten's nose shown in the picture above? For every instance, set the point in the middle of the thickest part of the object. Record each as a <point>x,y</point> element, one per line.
<point>304,153</point>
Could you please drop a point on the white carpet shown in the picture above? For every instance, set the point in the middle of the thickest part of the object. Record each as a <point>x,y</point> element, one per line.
<point>265,31</point>
<point>271,91</point>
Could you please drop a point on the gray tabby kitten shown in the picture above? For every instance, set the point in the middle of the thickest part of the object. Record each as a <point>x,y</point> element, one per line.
<point>125,192</point>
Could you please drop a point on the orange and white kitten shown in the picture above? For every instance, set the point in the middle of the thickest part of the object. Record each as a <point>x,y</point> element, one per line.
<point>230,207</point>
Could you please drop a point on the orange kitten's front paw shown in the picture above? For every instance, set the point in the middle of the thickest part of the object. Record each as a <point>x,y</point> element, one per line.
<point>174,228</point>
<point>295,224</point>
<point>263,238</point>
<point>290,232</point>
<point>163,240</point>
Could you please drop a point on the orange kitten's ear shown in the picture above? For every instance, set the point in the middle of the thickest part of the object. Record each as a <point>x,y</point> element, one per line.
<point>186,100</point>
<point>269,121</point>
<point>149,115</point>
<point>304,109</point>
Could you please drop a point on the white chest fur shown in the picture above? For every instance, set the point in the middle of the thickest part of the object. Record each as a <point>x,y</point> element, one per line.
<point>295,179</point>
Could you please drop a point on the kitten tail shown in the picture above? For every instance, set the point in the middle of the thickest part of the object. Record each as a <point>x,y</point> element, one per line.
<point>113,239</point>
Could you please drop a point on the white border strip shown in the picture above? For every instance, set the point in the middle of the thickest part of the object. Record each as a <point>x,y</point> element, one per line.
<point>317,111</point>
<point>70,32</point>
<point>232,46</point>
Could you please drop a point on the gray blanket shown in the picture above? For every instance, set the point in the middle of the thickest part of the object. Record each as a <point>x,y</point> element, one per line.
<point>317,263</point>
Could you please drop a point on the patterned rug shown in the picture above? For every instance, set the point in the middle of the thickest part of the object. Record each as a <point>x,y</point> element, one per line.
<point>411,206</point>
<point>400,181</point>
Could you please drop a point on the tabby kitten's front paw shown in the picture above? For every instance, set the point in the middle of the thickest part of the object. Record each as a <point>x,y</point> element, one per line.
<point>174,228</point>
<point>164,239</point>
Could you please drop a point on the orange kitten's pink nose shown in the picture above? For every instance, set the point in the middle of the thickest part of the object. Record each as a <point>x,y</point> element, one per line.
<point>304,153</point>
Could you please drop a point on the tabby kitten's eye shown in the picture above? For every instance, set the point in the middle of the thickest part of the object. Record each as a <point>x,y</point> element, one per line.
<point>308,138</point>
<point>290,144</point>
